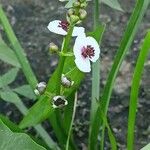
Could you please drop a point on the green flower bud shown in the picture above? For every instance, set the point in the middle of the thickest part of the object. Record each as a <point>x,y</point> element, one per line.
<point>82,1</point>
<point>70,12</point>
<point>53,48</point>
<point>76,4</point>
<point>83,14</point>
<point>74,19</point>
<point>83,5</point>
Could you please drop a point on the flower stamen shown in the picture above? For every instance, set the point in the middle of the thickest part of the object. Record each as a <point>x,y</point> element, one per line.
<point>64,25</point>
<point>88,51</point>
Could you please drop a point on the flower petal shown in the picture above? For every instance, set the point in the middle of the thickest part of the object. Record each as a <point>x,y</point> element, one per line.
<point>91,41</point>
<point>77,31</point>
<point>53,26</point>
<point>79,43</point>
<point>83,64</point>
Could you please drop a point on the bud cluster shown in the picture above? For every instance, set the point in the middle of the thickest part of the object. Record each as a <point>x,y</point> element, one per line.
<point>77,13</point>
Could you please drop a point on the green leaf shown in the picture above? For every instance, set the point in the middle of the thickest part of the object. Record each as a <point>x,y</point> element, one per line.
<point>113,4</point>
<point>19,51</point>
<point>26,91</point>
<point>9,96</point>
<point>144,51</point>
<point>8,77</point>
<point>42,109</point>
<point>126,42</point>
<point>17,141</point>
<point>147,147</point>
<point>12,126</point>
<point>7,55</point>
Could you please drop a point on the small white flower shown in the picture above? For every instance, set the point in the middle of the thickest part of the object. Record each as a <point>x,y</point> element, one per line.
<point>59,101</point>
<point>66,82</point>
<point>61,27</point>
<point>40,88</point>
<point>86,49</point>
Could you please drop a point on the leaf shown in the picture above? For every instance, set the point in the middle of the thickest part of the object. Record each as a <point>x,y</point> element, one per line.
<point>144,51</point>
<point>8,77</point>
<point>7,55</point>
<point>25,91</point>
<point>125,44</point>
<point>147,147</point>
<point>9,96</point>
<point>113,4</point>
<point>17,141</point>
<point>42,109</point>
<point>12,126</point>
<point>19,51</point>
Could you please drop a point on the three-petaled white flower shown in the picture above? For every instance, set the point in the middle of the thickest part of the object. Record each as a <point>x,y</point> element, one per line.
<point>61,27</point>
<point>86,49</point>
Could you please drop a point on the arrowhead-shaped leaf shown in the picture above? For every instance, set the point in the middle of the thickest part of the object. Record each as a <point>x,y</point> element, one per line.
<point>17,141</point>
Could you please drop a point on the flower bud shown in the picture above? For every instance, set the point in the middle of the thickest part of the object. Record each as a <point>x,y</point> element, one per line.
<point>82,1</point>
<point>74,19</point>
<point>70,12</point>
<point>59,101</point>
<point>83,5</point>
<point>40,88</point>
<point>66,82</point>
<point>83,14</point>
<point>53,48</point>
<point>76,4</point>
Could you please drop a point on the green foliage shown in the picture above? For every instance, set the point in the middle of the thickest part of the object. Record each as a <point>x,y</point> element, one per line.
<point>9,96</point>
<point>126,42</point>
<point>144,51</point>
<point>18,141</point>
<point>8,77</point>
<point>113,4</point>
<point>26,91</point>
<point>42,109</point>
<point>12,126</point>
<point>147,147</point>
<point>7,55</point>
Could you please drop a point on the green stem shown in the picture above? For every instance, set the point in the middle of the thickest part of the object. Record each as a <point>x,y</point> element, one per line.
<point>62,59</point>
<point>95,68</point>
<point>18,50</point>
<point>71,124</point>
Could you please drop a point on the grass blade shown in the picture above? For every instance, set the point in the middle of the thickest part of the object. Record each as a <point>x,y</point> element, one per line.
<point>18,50</point>
<point>110,133</point>
<point>126,42</point>
<point>144,51</point>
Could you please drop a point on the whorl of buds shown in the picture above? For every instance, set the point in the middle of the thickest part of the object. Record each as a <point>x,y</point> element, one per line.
<point>40,88</point>
<point>66,82</point>
<point>53,48</point>
<point>59,102</point>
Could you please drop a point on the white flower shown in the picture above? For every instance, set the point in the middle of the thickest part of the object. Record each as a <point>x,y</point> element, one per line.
<point>86,49</point>
<point>61,27</point>
<point>59,101</point>
<point>40,88</point>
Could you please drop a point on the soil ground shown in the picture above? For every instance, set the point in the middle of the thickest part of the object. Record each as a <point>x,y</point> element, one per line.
<point>29,19</point>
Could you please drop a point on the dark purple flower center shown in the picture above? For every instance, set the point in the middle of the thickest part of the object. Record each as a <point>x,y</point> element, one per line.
<point>64,25</point>
<point>88,51</point>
